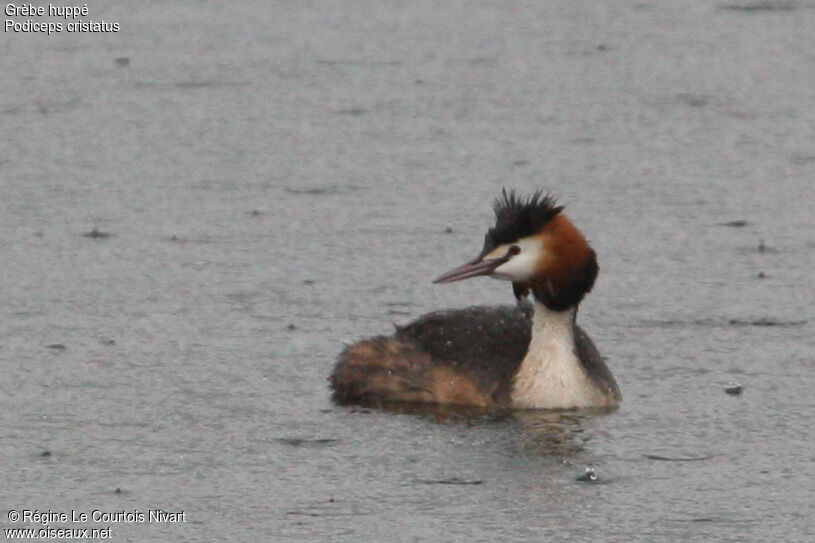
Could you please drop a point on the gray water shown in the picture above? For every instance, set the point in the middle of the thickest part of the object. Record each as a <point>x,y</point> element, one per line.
<point>279,178</point>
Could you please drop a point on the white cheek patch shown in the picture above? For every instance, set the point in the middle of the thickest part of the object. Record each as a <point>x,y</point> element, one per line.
<point>522,266</point>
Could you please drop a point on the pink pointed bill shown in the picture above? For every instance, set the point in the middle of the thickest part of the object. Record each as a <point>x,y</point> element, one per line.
<point>471,269</point>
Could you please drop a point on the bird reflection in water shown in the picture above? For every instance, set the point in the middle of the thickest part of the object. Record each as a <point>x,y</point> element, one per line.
<point>547,432</point>
<point>558,433</point>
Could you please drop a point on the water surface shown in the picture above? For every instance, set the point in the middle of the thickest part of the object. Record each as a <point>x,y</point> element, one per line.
<point>276,179</point>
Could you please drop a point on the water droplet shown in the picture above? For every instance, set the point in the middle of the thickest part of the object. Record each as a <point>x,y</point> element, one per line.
<point>588,476</point>
<point>734,390</point>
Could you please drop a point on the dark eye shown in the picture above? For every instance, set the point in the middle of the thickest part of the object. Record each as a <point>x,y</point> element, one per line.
<point>514,250</point>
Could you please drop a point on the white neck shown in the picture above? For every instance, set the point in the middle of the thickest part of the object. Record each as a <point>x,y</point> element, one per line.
<point>551,376</point>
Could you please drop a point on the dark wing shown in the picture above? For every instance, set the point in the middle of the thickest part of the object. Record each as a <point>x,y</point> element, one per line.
<point>486,343</point>
<point>593,363</point>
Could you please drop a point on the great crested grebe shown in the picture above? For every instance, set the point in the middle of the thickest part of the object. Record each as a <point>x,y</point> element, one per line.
<point>529,356</point>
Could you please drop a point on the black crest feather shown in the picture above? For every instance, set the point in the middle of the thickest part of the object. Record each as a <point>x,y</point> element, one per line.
<point>517,217</point>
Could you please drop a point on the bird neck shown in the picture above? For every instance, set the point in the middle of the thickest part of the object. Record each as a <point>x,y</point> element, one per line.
<point>550,325</point>
<point>551,375</point>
